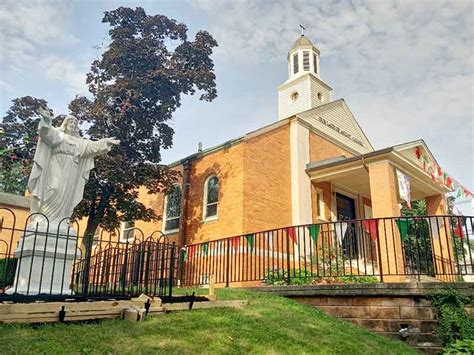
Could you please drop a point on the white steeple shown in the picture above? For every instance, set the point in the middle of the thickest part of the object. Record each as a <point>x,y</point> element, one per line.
<point>304,89</point>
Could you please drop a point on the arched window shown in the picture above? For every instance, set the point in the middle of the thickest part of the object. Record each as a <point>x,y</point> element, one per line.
<point>172,208</point>
<point>211,197</point>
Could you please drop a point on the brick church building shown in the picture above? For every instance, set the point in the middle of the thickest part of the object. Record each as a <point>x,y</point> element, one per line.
<point>314,164</point>
<point>274,191</point>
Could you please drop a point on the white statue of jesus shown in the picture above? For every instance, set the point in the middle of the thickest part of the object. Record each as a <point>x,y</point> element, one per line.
<point>62,163</point>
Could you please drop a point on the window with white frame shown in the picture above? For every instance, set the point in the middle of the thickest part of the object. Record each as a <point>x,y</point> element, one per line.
<point>97,236</point>
<point>127,231</point>
<point>172,208</point>
<point>211,197</point>
<point>315,63</point>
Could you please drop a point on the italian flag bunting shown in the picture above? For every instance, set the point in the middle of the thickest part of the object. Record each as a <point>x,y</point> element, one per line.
<point>458,231</point>
<point>191,250</point>
<point>440,171</point>
<point>292,234</point>
<point>314,231</point>
<point>235,243</point>
<point>418,152</point>
<point>449,181</point>
<point>371,228</point>
<point>250,240</point>
<point>205,249</point>
<point>403,225</point>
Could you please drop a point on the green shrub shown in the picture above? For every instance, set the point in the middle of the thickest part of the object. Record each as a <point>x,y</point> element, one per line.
<point>465,346</point>
<point>7,271</point>
<point>453,321</point>
<point>305,277</point>
<point>297,277</point>
<point>354,279</point>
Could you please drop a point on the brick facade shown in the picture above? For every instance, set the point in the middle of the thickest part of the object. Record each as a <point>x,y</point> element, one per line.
<point>254,186</point>
<point>267,179</point>
<point>227,165</point>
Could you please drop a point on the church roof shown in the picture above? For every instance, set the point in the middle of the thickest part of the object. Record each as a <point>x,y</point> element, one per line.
<point>303,41</point>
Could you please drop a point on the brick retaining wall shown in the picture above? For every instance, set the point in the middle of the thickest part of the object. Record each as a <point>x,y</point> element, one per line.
<point>386,309</point>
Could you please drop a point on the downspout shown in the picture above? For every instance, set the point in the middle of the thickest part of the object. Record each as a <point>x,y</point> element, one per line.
<point>365,165</point>
<point>183,217</point>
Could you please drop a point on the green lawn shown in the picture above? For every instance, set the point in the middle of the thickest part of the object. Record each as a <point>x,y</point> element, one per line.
<point>268,325</point>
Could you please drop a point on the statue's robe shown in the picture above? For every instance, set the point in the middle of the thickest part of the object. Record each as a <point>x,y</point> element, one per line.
<point>61,168</point>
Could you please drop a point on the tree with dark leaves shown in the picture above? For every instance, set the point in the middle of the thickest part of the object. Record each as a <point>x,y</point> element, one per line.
<point>137,85</point>
<point>18,138</point>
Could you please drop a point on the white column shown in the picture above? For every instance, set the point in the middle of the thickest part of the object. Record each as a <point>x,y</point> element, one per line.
<point>300,181</point>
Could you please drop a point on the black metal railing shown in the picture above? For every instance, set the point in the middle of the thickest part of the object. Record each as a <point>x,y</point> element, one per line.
<point>369,250</point>
<point>39,260</point>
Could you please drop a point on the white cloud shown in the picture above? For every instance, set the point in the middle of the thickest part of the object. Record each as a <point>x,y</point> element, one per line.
<point>37,21</point>
<point>62,70</point>
<point>29,31</point>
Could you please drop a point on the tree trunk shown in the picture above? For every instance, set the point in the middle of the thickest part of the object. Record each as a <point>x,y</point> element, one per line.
<point>93,220</point>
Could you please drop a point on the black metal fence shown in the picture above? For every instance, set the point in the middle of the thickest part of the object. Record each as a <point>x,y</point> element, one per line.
<point>370,250</point>
<point>39,260</point>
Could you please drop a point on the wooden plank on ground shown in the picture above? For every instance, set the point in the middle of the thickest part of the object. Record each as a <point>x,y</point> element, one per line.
<point>77,311</point>
<point>68,306</point>
<point>31,317</point>
<point>49,312</point>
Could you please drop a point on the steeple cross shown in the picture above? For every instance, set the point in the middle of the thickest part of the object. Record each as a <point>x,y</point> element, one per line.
<point>302,29</point>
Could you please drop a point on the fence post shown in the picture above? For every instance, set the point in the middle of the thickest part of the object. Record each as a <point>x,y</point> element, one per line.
<point>227,264</point>
<point>123,271</point>
<point>181,265</point>
<point>181,273</point>
<point>288,279</point>
<point>87,265</point>
<point>377,240</point>
<point>170,288</point>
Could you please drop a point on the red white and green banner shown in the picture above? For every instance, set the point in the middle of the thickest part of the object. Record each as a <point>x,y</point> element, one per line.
<point>440,176</point>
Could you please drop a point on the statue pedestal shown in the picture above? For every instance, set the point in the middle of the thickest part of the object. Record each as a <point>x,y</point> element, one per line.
<point>45,261</point>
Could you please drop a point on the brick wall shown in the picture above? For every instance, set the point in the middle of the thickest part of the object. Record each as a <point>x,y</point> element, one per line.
<point>9,238</point>
<point>385,315</point>
<point>254,186</point>
<point>381,308</point>
<point>267,181</point>
<point>320,148</point>
<point>227,165</point>
<point>156,202</point>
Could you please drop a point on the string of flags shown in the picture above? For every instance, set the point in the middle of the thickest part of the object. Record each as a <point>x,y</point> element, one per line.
<point>371,227</point>
<point>441,177</point>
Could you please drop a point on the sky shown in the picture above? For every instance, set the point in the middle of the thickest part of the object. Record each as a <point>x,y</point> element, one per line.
<point>404,68</point>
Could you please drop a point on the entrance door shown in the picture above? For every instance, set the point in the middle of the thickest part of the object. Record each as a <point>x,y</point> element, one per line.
<point>346,211</point>
<point>345,207</point>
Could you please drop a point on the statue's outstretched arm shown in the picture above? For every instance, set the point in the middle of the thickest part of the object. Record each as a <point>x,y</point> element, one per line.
<point>47,133</point>
<point>101,146</point>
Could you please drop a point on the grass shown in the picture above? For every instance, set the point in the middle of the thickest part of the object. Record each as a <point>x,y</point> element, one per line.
<point>268,325</point>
